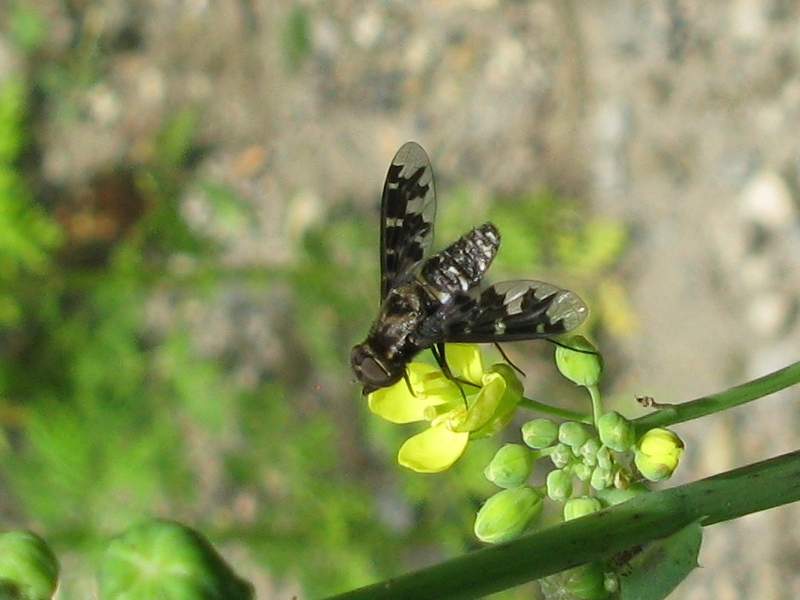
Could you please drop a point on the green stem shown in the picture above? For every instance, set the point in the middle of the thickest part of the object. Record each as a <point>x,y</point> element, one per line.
<point>670,414</point>
<point>598,536</point>
<point>555,411</point>
<point>597,404</point>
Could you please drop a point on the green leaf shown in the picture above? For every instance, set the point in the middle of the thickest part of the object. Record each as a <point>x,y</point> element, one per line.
<point>657,569</point>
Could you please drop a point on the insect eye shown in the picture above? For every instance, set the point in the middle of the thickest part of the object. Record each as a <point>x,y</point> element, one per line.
<point>368,369</point>
<point>373,372</point>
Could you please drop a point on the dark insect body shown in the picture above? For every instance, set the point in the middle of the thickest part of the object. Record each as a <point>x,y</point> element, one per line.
<point>428,301</point>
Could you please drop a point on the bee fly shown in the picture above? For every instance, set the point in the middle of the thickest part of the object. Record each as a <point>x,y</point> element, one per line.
<point>428,301</point>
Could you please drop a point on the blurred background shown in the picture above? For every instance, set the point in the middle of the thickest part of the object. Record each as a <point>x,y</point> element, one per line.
<point>189,198</point>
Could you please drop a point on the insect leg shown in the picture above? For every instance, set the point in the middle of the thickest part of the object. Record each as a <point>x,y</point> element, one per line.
<point>508,360</point>
<point>408,383</point>
<point>438,353</point>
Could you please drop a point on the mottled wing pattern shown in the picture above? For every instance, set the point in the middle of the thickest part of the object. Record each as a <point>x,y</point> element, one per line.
<point>511,311</point>
<point>408,207</point>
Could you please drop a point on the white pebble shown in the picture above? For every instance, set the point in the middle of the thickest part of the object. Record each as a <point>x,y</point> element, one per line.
<point>767,201</point>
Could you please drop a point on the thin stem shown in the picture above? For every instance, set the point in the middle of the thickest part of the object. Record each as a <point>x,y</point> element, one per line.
<point>555,411</point>
<point>669,414</point>
<point>597,404</point>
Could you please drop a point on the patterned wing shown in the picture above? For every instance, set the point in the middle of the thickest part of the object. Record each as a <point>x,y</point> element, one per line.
<point>511,311</point>
<point>408,207</point>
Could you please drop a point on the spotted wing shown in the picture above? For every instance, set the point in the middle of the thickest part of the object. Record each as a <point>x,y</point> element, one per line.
<point>408,207</point>
<point>511,311</point>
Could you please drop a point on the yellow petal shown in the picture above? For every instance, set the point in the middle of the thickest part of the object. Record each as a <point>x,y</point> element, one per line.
<point>432,450</point>
<point>495,403</point>
<point>485,405</point>
<point>397,404</point>
<point>431,383</point>
<point>465,361</point>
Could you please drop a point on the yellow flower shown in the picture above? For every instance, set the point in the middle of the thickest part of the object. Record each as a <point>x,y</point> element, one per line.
<point>657,454</point>
<point>490,403</point>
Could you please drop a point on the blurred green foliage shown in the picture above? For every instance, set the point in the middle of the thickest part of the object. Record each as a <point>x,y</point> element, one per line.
<point>27,26</point>
<point>27,234</point>
<point>296,42</point>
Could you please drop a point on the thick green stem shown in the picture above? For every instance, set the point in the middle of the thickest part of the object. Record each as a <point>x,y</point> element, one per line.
<point>598,536</point>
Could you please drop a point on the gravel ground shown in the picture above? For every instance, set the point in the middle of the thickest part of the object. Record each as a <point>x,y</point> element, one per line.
<point>679,118</point>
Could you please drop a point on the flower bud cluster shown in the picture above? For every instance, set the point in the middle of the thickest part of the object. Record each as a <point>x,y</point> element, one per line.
<point>593,467</point>
<point>590,471</point>
<point>577,454</point>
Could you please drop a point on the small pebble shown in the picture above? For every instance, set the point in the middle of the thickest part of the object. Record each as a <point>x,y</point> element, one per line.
<point>767,200</point>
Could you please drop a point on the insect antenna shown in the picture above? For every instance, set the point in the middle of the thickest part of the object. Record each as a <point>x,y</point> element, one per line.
<point>568,347</point>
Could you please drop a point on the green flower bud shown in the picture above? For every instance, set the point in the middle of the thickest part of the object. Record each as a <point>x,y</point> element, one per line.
<point>579,361</point>
<point>559,485</point>
<point>657,454</point>
<point>601,478</point>
<point>582,471</point>
<point>611,496</point>
<point>612,584</point>
<point>572,434</point>
<point>579,507</point>
<point>28,567</point>
<point>510,466</point>
<point>539,433</point>
<point>586,582</point>
<point>605,459</point>
<point>507,514</point>
<point>588,451</point>
<point>166,560</point>
<point>616,431</point>
<point>561,456</point>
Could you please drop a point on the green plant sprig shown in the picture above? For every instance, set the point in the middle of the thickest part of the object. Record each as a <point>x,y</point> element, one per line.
<point>670,414</point>
<point>598,536</point>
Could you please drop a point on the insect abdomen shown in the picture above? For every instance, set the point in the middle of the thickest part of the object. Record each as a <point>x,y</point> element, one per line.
<point>462,265</point>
